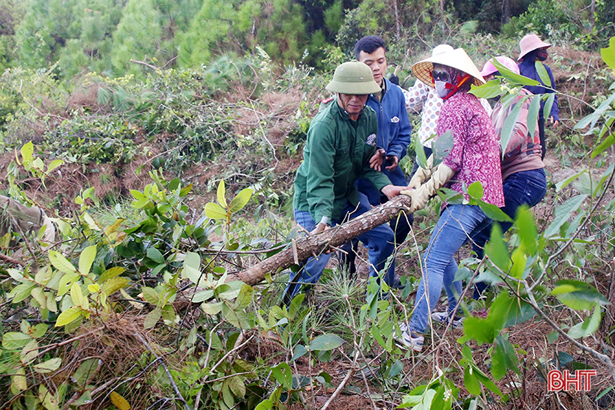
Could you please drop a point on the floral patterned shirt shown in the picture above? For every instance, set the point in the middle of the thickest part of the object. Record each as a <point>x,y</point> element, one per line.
<point>423,99</point>
<point>476,151</point>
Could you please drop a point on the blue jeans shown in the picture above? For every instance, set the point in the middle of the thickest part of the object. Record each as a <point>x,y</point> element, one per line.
<point>521,188</point>
<point>379,242</point>
<point>457,223</point>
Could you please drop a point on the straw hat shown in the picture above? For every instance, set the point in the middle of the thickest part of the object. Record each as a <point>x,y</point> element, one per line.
<point>442,48</point>
<point>530,43</point>
<point>457,58</point>
<point>507,62</point>
<point>354,78</point>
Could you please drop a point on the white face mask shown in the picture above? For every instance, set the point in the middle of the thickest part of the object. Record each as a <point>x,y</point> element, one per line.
<point>441,89</point>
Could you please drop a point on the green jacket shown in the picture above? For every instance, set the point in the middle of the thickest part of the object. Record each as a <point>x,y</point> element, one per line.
<point>336,153</point>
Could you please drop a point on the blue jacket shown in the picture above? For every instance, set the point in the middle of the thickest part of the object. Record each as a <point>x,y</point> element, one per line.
<point>393,136</point>
<point>528,69</point>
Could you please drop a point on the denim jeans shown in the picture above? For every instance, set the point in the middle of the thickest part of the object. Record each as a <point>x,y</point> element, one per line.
<point>521,188</point>
<point>457,223</point>
<point>379,242</point>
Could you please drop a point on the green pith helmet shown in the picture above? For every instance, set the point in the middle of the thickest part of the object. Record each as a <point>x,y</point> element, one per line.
<point>355,78</point>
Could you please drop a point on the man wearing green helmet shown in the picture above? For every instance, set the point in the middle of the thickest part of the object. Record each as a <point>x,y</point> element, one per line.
<point>340,143</point>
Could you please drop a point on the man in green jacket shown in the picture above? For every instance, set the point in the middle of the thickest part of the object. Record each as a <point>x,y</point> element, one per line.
<point>340,143</point>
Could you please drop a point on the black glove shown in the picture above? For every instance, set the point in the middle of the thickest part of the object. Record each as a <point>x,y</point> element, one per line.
<point>394,79</point>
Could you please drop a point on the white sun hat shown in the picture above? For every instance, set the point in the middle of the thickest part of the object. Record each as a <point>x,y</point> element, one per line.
<point>456,58</point>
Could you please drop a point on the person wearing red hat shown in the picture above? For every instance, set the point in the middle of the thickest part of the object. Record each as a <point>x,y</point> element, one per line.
<point>533,50</point>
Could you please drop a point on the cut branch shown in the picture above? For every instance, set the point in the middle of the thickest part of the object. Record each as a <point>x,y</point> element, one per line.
<point>317,244</point>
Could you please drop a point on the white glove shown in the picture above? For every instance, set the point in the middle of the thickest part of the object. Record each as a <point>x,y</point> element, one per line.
<point>421,175</point>
<point>421,195</point>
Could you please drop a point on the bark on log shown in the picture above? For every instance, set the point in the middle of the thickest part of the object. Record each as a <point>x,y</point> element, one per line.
<point>316,244</point>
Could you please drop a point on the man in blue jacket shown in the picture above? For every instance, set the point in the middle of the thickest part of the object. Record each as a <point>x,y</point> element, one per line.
<point>393,136</point>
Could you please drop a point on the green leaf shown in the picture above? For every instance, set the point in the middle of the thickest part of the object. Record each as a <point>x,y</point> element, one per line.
<point>114,284</point>
<point>509,125</point>
<point>494,212</point>
<point>532,115</point>
<point>240,200</point>
<point>548,104</point>
<point>496,249</point>
<point>221,194</point>
<point>215,211</point>
<point>588,327</point>
<point>155,255</point>
<point>212,308</point>
<point>470,381</point>
<point>283,375</point>
<point>565,182</point>
<point>300,351</point>
<point>110,274</point>
<point>245,296</point>
<point>152,318</point>
<point>577,294</point>
<point>150,295</point>
<point>504,358</point>
<point>608,54</point>
<point>21,292</point>
<point>604,145</point>
<point>562,213</point>
<point>68,316</point>
<point>544,76</point>
<point>519,261</point>
<point>192,267</point>
<point>237,386</point>
<point>29,352</point>
<point>15,340</point>
<point>86,259</point>
<point>48,366</point>
<point>60,262</point>
<point>442,147</point>
<point>39,330</point>
<point>526,229</point>
<point>326,342</point>
<point>202,296</point>
<point>264,405</point>
<point>54,164</point>
<point>26,152</point>
<point>491,89</point>
<point>421,158</point>
<point>66,282</point>
<point>475,190</point>
<point>77,296</point>
<point>85,372</point>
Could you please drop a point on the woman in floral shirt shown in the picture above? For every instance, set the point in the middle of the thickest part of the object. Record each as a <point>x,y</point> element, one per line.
<point>475,156</point>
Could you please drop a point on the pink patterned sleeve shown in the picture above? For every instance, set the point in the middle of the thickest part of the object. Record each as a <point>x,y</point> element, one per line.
<point>450,119</point>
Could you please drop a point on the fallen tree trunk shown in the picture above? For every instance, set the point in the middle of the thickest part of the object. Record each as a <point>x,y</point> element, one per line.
<point>310,245</point>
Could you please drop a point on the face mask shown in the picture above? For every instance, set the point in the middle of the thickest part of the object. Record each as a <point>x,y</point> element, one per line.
<point>542,55</point>
<point>441,89</point>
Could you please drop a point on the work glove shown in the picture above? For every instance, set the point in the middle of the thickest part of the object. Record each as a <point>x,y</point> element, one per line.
<point>421,175</point>
<point>421,195</point>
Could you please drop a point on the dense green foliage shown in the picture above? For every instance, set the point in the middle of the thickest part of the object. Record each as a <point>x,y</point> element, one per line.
<point>167,175</point>
<point>103,36</point>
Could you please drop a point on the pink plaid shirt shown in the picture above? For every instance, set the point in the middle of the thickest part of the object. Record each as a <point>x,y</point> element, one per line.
<point>476,152</point>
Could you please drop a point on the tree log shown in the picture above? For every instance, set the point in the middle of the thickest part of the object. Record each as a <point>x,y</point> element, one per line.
<point>310,245</point>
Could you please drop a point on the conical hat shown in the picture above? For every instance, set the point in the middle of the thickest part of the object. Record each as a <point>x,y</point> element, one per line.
<point>530,43</point>
<point>457,58</point>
